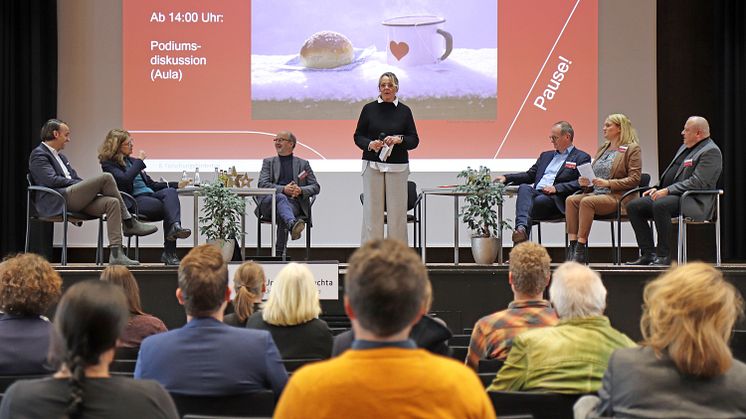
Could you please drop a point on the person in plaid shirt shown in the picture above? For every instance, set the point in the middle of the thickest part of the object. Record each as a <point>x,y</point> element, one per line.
<point>528,276</point>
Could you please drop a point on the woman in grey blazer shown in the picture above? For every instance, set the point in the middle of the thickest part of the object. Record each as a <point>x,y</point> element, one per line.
<point>684,367</point>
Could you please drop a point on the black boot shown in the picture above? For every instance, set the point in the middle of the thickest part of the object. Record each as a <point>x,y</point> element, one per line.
<point>570,254</point>
<point>581,253</point>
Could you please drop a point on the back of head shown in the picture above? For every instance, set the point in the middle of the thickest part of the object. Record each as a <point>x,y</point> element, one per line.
<point>689,313</point>
<point>247,284</point>
<point>294,297</point>
<point>203,280</point>
<point>529,266</point>
<point>627,134</point>
<point>701,124</point>
<point>577,292</point>
<point>121,276</point>
<point>89,319</point>
<point>28,285</point>
<point>386,286</point>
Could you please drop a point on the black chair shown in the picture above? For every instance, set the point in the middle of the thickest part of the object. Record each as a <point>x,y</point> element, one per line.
<point>132,203</point>
<point>683,221</point>
<point>259,403</point>
<point>459,340</point>
<point>64,217</point>
<point>738,345</point>
<point>490,365</point>
<point>538,405</point>
<point>123,365</point>
<point>486,378</point>
<point>293,364</point>
<point>552,220</point>
<point>126,353</point>
<point>308,220</point>
<point>458,352</point>
<point>415,218</point>
<point>7,380</point>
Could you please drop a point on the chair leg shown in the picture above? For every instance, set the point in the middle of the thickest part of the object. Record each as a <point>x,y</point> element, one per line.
<point>717,233</point>
<point>129,244</point>
<point>308,241</point>
<point>64,241</point>
<point>613,245</point>
<point>100,243</point>
<point>28,221</point>
<point>258,237</point>
<point>137,248</point>
<point>680,248</point>
<point>538,230</point>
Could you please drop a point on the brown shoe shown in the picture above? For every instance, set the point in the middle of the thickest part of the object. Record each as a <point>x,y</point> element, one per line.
<point>519,235</point>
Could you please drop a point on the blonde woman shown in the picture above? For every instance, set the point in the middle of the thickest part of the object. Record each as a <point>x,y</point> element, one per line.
<point>684,367</point>
<point>248,286</point>
<point>291,315</point>
<point>617,167</point>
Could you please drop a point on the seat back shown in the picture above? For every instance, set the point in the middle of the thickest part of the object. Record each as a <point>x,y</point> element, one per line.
<point>293,364</point>
<point>123,365</point>
<point>538,405</point>
<point>738,345</point>
<point>490,365</point>
<point>645,180</point>
<point>412,196</point>
<point>260,403</point>
<point>127,353</point>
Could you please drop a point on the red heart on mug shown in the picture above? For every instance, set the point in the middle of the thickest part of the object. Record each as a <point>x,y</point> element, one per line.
<point>399,49</point>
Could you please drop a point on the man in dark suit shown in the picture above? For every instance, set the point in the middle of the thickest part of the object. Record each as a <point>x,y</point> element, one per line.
<point>94,196</point>
<point>207,357</point>
<point>294,182</point>
<point>697,165</point>
<point>544,187</point>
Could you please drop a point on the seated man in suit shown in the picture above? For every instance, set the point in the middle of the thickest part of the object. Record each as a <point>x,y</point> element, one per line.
<point>207,357</point>
<point>571,356</point>
<point>697,165</point>
<point>294,182</point>
<point>94,196</point>
<point>544,187</point>
<point>384,374</point>
<point>528,277</point>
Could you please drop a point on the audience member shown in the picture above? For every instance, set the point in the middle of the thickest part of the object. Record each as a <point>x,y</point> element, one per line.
<point>291,315</point>
<point>94,196</point>
<point>207,357</point>
<point>249,284</point>
<point>544,187</point>
<point>684,367</point>
<point>384,374</point>
<point>617,167</point>
<point>528,276</point>
<point>28,288</point>
<point>572,356</point>
<point>697,165</point>
<point>139,325</point>
<point>155,200</point>
<point>88,321</point>
<point>429,333</point>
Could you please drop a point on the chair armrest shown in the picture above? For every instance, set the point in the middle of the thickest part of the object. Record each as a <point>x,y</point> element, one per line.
<point>56,194</point>
<point>129,198</point>
<point>701,192</point>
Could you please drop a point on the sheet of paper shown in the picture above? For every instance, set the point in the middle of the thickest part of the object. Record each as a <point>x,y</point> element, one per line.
<point>587,171</point>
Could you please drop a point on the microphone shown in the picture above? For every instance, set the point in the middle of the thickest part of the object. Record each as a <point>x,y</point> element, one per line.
<point>381,136</point>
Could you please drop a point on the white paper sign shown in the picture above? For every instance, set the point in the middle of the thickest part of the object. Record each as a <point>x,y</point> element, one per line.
<point>326,274</point>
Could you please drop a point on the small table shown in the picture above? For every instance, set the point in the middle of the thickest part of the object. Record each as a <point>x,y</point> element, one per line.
<point>193,191</point>
<point>455,194</point>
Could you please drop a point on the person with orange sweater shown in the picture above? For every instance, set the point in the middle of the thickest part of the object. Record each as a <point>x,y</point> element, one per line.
<point>384,374</point>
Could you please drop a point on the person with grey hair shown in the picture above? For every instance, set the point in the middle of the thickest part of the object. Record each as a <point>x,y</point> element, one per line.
<point>572,356</point>
<point>697,165</point>
<point>544,187</point>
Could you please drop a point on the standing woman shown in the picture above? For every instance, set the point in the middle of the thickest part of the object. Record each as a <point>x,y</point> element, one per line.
<point>155,200</point>
<point>87,323</point>
<point>617,166</point>
<point>385,122</point>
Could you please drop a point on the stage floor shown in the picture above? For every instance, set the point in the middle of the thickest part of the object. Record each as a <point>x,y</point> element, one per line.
<point>462,294</point>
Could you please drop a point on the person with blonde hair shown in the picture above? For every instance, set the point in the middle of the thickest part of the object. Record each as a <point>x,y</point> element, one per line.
<point>684,367</point>
<point>291,315</point>
<point>155,200</point>
<point>140,324</point>
<point>571,356</point>
<point>29,286</point>
<point>528,277</point>
<point>248,286</point>
<point>618,168</point>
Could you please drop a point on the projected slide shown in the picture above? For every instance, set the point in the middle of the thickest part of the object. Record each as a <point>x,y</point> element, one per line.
<point>212,81</point>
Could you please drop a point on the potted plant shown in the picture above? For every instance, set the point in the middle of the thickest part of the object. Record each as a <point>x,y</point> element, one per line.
<point>478,212</point>
<point>221,219</point>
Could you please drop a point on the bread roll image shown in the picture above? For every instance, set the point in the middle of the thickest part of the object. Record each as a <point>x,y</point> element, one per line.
<point>326,49</point>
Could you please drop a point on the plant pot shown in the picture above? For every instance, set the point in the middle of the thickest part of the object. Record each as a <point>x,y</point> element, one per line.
<point>225,246</point>
<point>484,249</point>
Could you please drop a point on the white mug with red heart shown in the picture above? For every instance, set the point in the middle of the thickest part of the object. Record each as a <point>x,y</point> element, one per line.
<point>417,40</point>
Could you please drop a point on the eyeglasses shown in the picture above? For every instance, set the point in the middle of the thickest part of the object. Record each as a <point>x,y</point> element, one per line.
<point>385,85</point>
<point>553,138</point>
<point>279,140</point>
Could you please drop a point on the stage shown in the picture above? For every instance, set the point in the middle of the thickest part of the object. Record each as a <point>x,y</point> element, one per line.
<point>461,293</point>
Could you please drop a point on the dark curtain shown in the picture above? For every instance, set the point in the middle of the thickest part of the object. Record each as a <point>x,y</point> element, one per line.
<point>28,82</point>
<point>701,71</point>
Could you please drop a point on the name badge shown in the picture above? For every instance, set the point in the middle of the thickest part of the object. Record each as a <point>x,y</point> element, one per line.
<point>689,163</point>
<point>570,165</point>
<point>622,148</point>
<point>302,175</point>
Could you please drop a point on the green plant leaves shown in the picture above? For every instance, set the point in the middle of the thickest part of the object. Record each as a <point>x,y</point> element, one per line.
<point>483,196</point>
<point>221,212</point>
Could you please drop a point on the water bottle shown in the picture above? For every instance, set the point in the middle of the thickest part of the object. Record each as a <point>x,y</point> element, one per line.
<point>184,177</point>
<point>196,176</point>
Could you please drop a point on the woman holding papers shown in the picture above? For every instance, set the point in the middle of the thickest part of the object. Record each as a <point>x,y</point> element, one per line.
<point>385,132</point>
<point>616,169</point>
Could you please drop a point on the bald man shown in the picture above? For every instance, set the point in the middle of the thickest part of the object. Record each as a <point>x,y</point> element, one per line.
<point>697,165</point>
